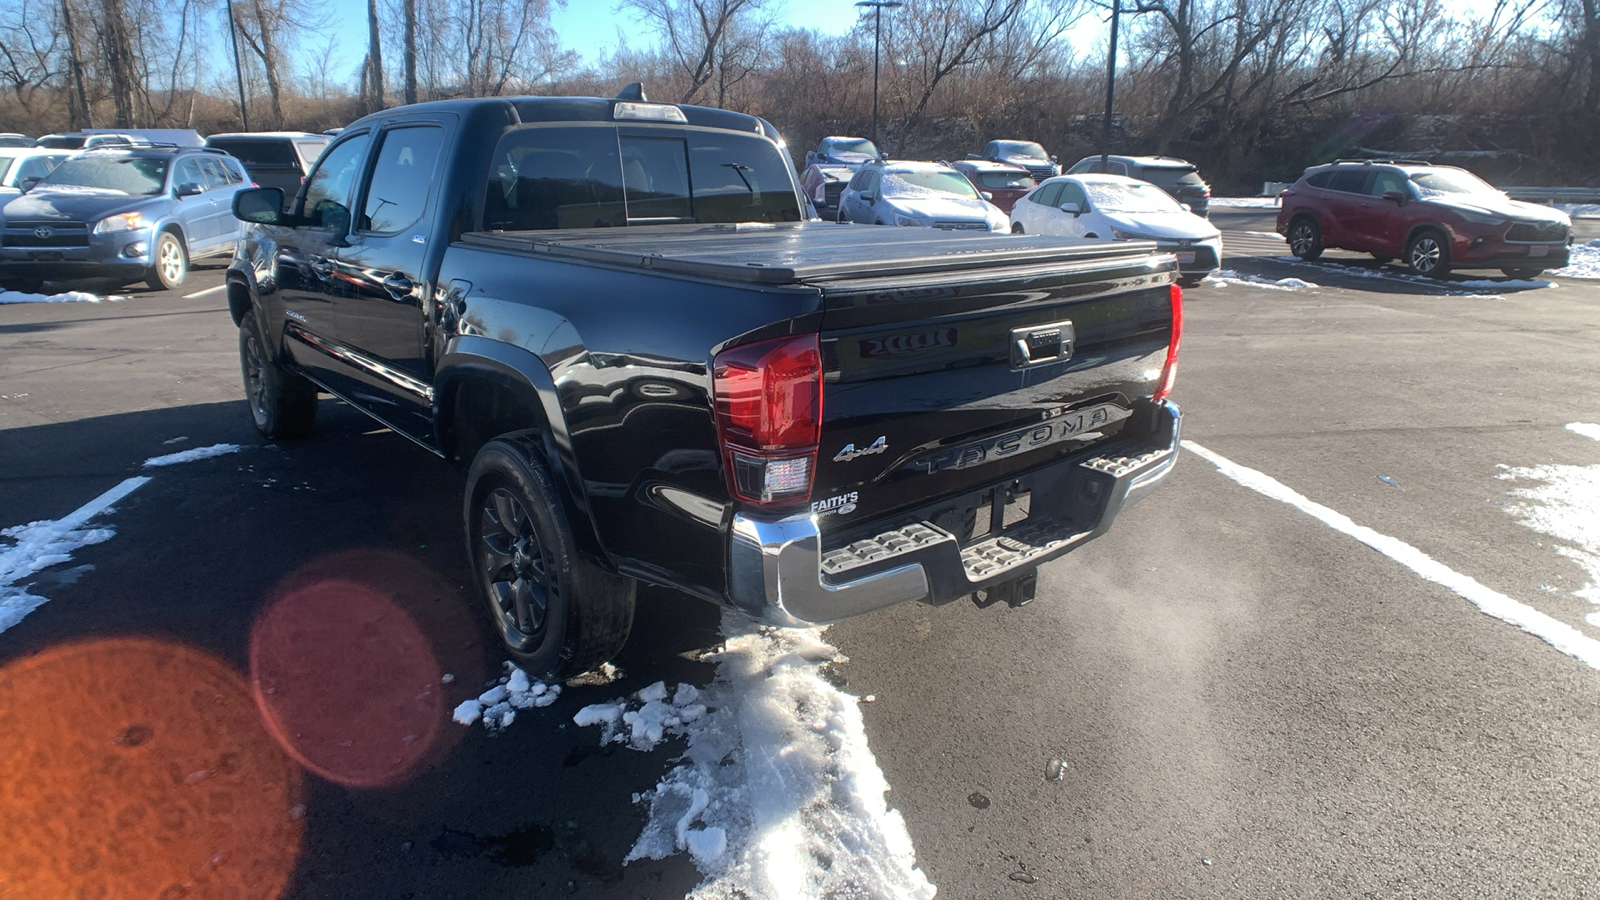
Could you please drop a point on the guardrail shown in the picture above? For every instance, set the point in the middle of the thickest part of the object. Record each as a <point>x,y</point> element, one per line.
<point>1554,194</point>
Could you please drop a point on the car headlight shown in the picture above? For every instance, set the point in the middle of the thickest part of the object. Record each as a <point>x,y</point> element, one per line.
<point>119,223</point>
<point>1119,234</point>
<point>1478,218</point>
<point>910,220</point>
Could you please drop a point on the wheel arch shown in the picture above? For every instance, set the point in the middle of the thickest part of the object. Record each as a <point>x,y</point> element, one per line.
<point>485,389</point>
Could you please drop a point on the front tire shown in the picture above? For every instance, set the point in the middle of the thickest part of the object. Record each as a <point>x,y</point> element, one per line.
<point>556,612</point>
<point>1428,254</point>
<point>1016,228</point>
<point>282,404</point>
<point>170,263</point>
<point>1305,238</point>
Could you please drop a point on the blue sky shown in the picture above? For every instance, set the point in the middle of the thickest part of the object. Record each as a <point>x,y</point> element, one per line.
<point>589,27</point>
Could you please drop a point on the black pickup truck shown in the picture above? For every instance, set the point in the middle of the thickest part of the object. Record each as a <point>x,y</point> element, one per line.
<point>614,314</point>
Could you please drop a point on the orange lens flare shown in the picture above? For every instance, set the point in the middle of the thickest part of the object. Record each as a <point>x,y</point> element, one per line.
<point>139,768</point>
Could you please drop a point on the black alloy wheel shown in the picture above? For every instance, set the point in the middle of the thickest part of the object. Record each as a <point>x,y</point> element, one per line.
<point>516,568</point>
<point>556,611</point>
<point>283,405</point>
<point>1305,238</point>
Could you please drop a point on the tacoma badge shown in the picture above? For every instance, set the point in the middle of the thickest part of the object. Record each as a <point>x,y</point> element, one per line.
<point>850,452</point>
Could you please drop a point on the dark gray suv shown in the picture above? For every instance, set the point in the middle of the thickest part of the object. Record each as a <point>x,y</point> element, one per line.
<point>141,212</point>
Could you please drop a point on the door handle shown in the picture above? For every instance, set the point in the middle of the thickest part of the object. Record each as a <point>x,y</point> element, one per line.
<point>398,285</point>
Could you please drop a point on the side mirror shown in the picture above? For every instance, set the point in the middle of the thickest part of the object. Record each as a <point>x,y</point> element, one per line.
<point>1186,207</point>
<point>1396,196</point>
<point>1071,208</point>
<point>187,189</point>
<point>869,197</point>
<point>29,184</point>
<point>986,195</point>
<point>260,206</point>
<point>1055,161</point>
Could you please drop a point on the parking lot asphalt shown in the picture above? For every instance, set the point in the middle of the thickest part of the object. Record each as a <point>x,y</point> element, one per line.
<point>1226,696</point>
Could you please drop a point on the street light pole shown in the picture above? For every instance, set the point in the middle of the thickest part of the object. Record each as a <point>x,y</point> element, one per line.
<point>1111,82</point>
<point>877,39</point>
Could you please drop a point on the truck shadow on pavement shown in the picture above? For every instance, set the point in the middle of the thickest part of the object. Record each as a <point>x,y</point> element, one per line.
<point>317,590</point>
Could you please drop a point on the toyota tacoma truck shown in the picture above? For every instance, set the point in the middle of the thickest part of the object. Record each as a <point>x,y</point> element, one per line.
<point>613,315</point>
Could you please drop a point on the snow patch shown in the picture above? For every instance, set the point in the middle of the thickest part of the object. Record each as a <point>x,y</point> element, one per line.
<point>1245,202</point>
<point>1583,261</point>
<point>172,459</point>
<point>1225,277</point>
<point>39,545</point>
<point>1563,503</point>
<point>64,297</point>
<point>777,776</point>
<point>1589,431</point>
<point>497,707</point>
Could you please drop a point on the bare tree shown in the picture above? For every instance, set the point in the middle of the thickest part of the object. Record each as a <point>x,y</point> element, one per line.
<point>707,40</point>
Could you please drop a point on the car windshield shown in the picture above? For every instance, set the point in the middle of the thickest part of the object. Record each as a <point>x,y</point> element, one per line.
<point>922,184</point>
<point>1451,181</point>
<point>1022,148</point>
<point>1130,198</point>
<point>852,145</point>
<point>137,175</point>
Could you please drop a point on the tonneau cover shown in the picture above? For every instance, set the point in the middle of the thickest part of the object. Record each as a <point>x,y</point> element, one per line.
<point>801,253</point>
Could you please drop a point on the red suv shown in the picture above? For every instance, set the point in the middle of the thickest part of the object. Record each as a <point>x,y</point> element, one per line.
<point>1434,218</point>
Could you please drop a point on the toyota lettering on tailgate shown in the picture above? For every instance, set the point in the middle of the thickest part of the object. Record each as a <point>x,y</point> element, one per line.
<point>1077,425</point>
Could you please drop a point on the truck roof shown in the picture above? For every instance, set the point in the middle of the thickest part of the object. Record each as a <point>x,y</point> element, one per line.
<point>579,109</point>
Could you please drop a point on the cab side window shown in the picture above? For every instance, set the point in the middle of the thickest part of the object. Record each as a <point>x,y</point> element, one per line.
<point>1049,195</point>
<point>1383,182</point>
<point>1073,193</point>
<point>330,187</point>
<point>1349,182</point>
<point>216,175</point>
<point>401,177</point>
<point>188,172</point>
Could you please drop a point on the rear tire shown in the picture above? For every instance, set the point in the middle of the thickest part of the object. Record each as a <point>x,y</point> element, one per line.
<point>1305,238</point>
<point>556,612</point>
<point>1428,254</point>
<point>282,404</point>
<point>169,266</point>
<point>1016,228</point>
<point>1528,272</point>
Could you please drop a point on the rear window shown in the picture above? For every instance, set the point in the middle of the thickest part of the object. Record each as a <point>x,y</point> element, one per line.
<point>259,154</point>
<point>309,151</point>
<point>1005,181</point>
<point>1170,176</point>
<point>600,176</point>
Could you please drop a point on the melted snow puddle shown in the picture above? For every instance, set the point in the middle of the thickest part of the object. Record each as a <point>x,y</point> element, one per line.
<point>1563,503</point>
<point>777,795</point>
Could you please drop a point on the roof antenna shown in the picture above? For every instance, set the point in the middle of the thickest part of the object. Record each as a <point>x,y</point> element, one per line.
<point>634,92</point>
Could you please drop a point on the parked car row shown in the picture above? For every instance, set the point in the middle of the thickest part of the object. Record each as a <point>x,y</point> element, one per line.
<point>1015,186</point>
<point>130,208</point>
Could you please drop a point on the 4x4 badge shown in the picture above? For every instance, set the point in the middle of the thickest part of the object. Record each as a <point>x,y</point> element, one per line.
<point>850,452</point>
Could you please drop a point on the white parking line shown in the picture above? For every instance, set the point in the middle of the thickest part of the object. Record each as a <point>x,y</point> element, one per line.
<point>205,292</point>
<point>43,544</point>
<point>1558,634</point>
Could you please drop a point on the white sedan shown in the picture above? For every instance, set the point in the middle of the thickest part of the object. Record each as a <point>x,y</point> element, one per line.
<point>1114,208</point>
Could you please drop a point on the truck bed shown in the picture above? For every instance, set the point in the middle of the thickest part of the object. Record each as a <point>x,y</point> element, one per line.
<point>811,253</point>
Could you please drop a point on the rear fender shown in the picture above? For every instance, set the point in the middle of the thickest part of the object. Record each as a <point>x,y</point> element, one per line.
<point>524,376</point>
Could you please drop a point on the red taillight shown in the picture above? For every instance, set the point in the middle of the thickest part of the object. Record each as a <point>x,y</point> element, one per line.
<point>1169,372</point>
<point>769,417</point>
